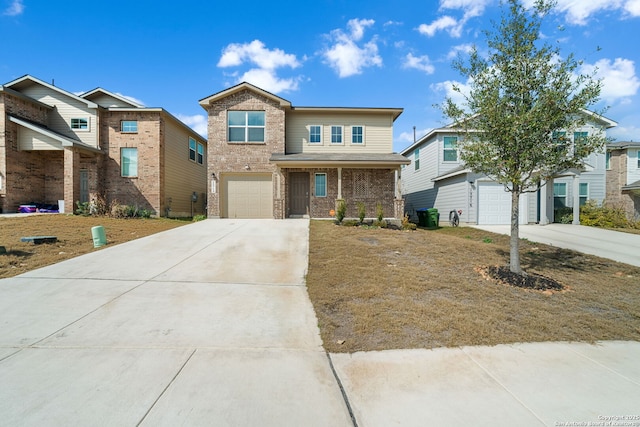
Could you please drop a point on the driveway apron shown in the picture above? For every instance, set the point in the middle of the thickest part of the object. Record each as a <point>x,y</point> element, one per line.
<point>206,324</point>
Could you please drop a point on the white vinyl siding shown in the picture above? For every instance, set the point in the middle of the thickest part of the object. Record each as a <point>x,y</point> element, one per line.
<point>31,140</point>
<point>377,132</point>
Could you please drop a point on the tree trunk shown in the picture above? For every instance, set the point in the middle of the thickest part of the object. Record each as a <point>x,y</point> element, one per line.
<point>514,243</point>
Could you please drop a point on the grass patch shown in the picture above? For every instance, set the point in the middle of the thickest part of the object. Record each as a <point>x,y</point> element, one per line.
<point>376,289</point>
<point>74,237</point>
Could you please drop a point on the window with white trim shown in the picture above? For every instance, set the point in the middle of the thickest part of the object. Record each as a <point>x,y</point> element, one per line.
<point>129,126</point>
<point>192,149</point>
<point>607,161</point>
<point>321,185</point>
<point>584,193</point>
<point>129,162</point>
<point>245,126</point>
<point>357,135</point>
<point>80,123</point>
<point>450,151</point>
<point>559,195</point>
<point>200,157</point>
<point>336,134</point>
<point>315,134</point>
<point>416,159</point>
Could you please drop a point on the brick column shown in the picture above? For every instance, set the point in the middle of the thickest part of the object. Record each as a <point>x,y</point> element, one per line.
<point>398,205</point>
<point>71,179</point>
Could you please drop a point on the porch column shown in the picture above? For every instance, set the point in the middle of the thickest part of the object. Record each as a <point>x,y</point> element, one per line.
<point>339,183</point>
<point>576,199</point>
<point>398,184</point>
<point>71,179</point>
<point>544,191</point>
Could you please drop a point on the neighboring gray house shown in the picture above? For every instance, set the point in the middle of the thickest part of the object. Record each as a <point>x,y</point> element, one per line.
<point>623,177</point>
<point>437,178</point>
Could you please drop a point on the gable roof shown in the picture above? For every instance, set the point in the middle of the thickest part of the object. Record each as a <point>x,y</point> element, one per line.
<point>27,80</point>
<point>204,102</point>
<point>100,91</point>
<point>64,140</point>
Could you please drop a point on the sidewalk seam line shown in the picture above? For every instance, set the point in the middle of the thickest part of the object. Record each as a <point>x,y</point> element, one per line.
<point>504,387</point>
<point>602,365</point>
<point>167,387</point>
<point>342,390</point>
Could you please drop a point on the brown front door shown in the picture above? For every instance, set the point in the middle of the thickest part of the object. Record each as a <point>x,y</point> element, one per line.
<point>299,193</point>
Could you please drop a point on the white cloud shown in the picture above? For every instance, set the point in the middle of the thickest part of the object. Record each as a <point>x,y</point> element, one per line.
<point>407,137</point>
<point>346,56</point>
<point>471,8</point>
<point>266,62</point>
<point>448,88</point>
<point>198,123</point>
<point>619,80</point>
<point>461,48</point>
<point>255,52</point>
<point>443,23</point>
<point>579,12</point>
<point>15,8</point>
<point>422,63</point>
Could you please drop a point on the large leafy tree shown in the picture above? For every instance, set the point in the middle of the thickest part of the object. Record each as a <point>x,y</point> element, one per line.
<point>521,94</point>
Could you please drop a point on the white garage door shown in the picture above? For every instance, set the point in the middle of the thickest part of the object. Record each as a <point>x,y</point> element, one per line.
<point>247,196</point>
<point>494,205</point>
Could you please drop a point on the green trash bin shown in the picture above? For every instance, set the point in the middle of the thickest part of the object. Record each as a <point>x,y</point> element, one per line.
<point>422,217</point>
<point>433,218</point>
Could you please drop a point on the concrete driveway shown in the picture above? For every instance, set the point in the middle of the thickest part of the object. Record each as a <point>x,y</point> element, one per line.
<point>614,245</point>
<point>207,324</point>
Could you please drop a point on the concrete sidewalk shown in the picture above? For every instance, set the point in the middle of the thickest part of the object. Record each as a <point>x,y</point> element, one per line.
<point>206,324</point>
<point>211,324</point>
<point>614,245</point>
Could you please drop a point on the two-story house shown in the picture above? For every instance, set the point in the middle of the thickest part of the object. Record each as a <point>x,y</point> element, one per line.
<point>623,177</point>
<point>59,148</point>
<point>269,159</point>
<point>438,178</point>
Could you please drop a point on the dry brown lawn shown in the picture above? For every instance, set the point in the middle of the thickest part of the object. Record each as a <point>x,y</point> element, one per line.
<point>74,237</point>
<point>376,289</point>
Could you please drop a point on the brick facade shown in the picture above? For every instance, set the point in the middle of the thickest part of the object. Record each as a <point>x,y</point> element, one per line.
<point>616,179</point>
<point>374,185</point>
<point>143,191</point>
<point>225,157</point>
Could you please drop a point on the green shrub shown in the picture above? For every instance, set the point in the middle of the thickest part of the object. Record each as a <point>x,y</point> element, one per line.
<point>350,223</point>
<point>341,211</point>
<point>197,218</point>
<point>83,209</point>
<point>362,211</point>
<point>379,212</point>
<point>380,223</point>
<point>593,214</point>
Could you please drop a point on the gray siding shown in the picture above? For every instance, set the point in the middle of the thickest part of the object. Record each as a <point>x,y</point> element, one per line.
<point>454,193</point>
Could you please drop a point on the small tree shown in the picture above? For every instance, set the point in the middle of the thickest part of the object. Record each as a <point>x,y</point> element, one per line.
<point>362,211</point>
<point>520,94</point>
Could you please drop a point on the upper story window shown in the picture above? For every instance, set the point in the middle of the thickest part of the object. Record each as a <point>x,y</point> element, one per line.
<point>638,155</point>
<point>607,161</point>
<point>196,151</point>
<point>80,124</point>
<point>129,162</point>
<point>357,135</point>
<point>336,134</point>
<point>245,126</point>
<point>130,126</point>
<point>579,138</point>
<point>416,159</point>
<point>450,153</point>
<point>315,134</point>
<point>559,139</point>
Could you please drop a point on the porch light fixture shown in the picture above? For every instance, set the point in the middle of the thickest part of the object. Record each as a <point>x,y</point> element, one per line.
<point>246,167</point>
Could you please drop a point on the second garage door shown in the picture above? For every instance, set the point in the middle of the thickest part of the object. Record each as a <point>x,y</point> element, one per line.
<point>247,196</point>
<point>494,205</point>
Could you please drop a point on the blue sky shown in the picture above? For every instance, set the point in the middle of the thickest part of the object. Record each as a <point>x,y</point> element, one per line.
<point>328,53</point>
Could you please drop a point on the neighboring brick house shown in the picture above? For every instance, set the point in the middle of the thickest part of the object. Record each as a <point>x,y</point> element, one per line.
<point>268,159</point>
<point>623,177</point>
<point>57,146</point>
